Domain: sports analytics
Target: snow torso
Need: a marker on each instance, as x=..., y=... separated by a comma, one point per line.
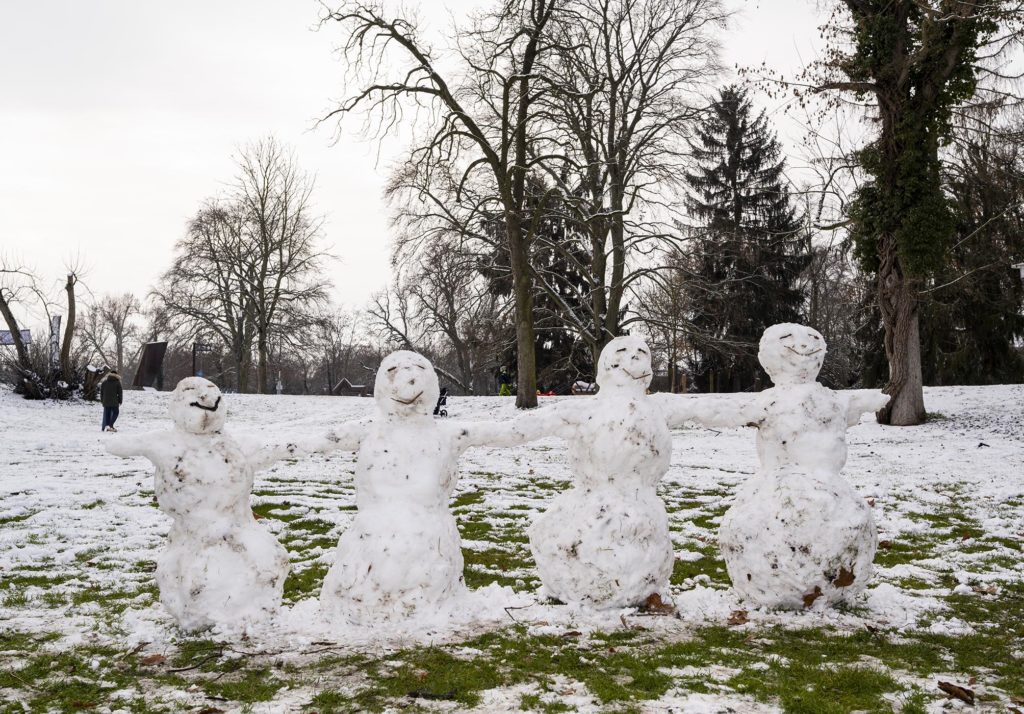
x=622, y=442
x=605, y=542
x=204, y=482
x=804, y=426
x=402, y=554
x=406, y=465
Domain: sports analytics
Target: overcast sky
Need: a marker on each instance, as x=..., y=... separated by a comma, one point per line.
x=118, y=117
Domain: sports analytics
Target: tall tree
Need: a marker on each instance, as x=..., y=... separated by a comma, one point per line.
x=916, y=61
x=630, y=75
x=483, y=114
x=972, y=319
x=750, y=247
x=107, y=327
x=202, y=291
x=278, y=263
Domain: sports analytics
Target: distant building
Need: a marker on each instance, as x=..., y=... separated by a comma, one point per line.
x=345, y=388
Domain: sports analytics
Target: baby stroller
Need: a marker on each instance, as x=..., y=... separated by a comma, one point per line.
x=442, y=402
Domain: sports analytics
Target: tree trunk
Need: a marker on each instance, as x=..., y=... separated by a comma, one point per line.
x=69, y=329
x=261, y=369
x=15, y=329
x=897, y=300
x=526, y=343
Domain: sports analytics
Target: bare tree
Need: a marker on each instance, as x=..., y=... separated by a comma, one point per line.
x=278, y=262
x=482, y=116
x=631, y=78
x=108, y=328
x=202, y=291
x=18, y=285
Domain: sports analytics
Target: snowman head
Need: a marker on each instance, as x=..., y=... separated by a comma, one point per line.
x=625, y=364
x=196, y=406
x=406, y=385
x=791, y=354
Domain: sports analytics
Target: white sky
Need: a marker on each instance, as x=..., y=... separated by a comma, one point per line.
x=118, y=117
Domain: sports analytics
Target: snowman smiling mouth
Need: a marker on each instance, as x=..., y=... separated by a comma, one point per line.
x=803, y=354
x=642, y=376
x=408, y=402
x=216, y=404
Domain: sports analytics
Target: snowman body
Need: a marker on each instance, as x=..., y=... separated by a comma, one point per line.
x=220, y=567
x=605, y=542
x=402, y=554
x=797, y=532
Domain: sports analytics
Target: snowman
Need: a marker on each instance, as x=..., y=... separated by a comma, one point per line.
x=220, y=567
x=402, y=555
x=605, y=542
x=797, y=532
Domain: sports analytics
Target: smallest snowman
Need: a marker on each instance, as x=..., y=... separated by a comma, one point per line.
x=220, y=567
x=797, y=532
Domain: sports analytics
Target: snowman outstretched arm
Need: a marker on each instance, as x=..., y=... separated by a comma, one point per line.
x=533, y=425
x=859, y=401
x=142, y=445
x=344, y=437
x=711, y=410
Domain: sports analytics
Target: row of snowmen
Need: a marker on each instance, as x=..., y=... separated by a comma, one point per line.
x=796, y=533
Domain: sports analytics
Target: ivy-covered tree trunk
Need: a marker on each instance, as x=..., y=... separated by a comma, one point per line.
x=897, y=300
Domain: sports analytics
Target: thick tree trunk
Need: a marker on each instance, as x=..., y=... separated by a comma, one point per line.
x=897, y=301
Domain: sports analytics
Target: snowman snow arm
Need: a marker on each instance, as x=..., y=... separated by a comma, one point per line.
x=344, y=437
x=860, y=401
x=531, y=426
x=145, y=445
x=710, y=410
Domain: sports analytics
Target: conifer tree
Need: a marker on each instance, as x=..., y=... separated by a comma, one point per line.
x=749, y=244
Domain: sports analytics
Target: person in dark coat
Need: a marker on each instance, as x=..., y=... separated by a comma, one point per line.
x=111, y=396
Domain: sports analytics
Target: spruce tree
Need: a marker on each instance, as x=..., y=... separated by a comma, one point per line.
x=749, y=244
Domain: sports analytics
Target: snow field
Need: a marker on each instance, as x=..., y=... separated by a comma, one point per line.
x=81, y=627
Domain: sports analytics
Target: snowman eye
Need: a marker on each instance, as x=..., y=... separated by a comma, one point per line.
x=785, y=336
x=621, y=349
x=392, y=369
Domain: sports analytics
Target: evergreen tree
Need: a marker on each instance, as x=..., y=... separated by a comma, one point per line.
x=561, y=357
x=971, y=318
x=749, y=246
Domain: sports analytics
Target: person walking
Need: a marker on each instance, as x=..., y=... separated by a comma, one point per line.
x=111, y=396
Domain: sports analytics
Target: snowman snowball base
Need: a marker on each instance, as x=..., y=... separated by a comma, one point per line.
x=220, y=567
x=605, y=542
x=797, y=532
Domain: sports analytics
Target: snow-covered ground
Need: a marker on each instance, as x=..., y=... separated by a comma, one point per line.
x=79, y=531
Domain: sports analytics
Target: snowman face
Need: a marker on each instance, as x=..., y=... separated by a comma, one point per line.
x=406, y=385
x=791, y=354
x=625, y=363
x=197, y=406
